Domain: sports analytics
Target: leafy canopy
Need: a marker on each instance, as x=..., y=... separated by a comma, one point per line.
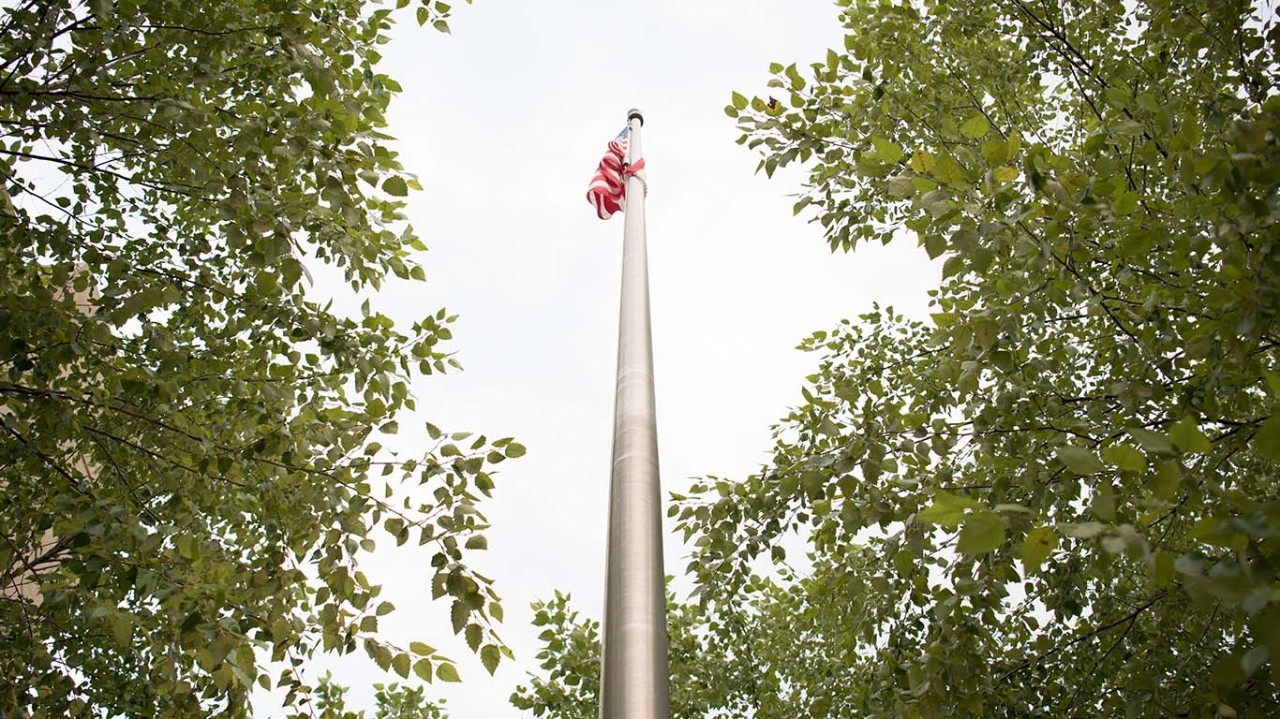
x=1058, y=495
x=188, y=447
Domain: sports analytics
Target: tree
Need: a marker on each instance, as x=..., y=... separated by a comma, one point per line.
x=189, y=452
x=705, y=678
x=1058, y=495
x=394, y=702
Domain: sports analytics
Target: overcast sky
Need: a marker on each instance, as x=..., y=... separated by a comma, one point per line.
x=504, y=121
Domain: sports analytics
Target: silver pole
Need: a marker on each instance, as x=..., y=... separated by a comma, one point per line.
x=633, y=671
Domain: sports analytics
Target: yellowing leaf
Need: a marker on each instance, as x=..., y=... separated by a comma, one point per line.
x=1037, y=547
x=922, y=161
x=1005, y=174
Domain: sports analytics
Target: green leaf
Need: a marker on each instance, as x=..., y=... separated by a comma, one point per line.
x=422, y=668
x=935, y=245
x=975, y=127
x=1126, y=203
x=1266, y=441
x=400, y=663
x=474, y=634
x=739, y=101
x=459, y=614
x=887, y=151
x=1037, y=547
x=1151, y=441
x=447, y=673
x=1186, y=436
x=395, y=186
x=1079, y=460
x=1168, y=478
x=947, y=509
x=1254, y=659
x=1104, y=502
x=1125, y=457
x=490, y=656
x=982, y=532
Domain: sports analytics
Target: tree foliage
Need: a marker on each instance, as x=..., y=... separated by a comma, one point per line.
x=1058, y=495
x=393, y=702
x=189, y=452
x=705, y=678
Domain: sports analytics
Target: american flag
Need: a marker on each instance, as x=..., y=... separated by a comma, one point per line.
x=608, y=189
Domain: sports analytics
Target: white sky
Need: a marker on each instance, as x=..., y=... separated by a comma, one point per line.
x=504, y=122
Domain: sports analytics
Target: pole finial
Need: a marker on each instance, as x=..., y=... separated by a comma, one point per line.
x=635, y=113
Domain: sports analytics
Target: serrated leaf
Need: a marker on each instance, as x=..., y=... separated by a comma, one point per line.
x=490, y=656
x=459, y=614
x=739, y=101
x=514, y=450
x=422, y=668
x=421, y=649
x=1079, y=460
x=474, y=634
x=400, y=663
x=395, y=186
x=448, y=673
x=982, y=532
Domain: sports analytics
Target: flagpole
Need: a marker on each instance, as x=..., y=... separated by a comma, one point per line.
x=633, y=672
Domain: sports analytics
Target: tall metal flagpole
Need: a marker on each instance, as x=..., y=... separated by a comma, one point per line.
x=633, y=672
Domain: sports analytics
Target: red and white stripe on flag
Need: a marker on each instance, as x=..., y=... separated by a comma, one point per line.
x=608, y=189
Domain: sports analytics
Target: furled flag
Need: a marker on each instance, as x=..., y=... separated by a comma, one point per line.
x=608, y=189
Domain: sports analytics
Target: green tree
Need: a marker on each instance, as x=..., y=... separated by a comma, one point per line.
x=393, y=702
x=1058, y=495
x=188, y=431
x=705, y=677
